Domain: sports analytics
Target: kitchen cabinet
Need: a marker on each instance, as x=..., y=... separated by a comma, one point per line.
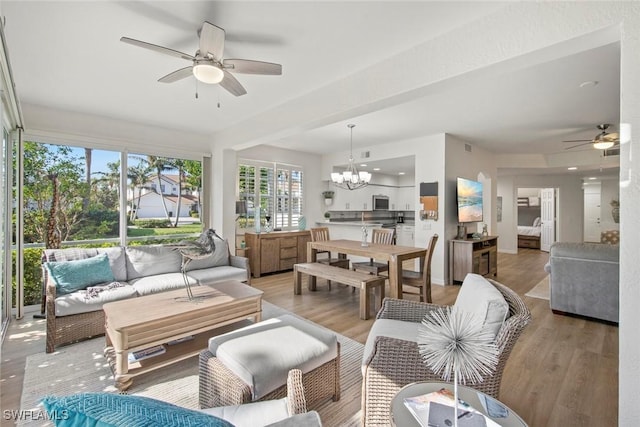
x=276, y=251
x=405, y=235
x=405, y=200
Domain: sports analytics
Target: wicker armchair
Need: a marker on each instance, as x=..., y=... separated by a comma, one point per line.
x=394, y=363
x=278, y=412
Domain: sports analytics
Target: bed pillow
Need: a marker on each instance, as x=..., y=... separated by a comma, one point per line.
x=537, y=222
x=71, y=276
x=105, y=410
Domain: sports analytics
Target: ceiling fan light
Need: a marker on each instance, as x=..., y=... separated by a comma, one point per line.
x=603, y=145
x=207, y=73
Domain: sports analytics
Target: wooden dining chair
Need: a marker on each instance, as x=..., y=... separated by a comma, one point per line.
x=383, y=236
x=420, y=280
x=321, y=234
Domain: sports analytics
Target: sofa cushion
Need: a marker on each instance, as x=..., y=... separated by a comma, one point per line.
x=219, y=257
x=262, y=354
x=108, y=409
x=84, y=302
x=159, y=283
x=481, y=298
x=117, y=261
x=252, y=414
x=70, y=276
x=145, y=261
x=208, y=276
x=398, y=329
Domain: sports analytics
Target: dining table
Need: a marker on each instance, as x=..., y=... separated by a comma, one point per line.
x=393, y=254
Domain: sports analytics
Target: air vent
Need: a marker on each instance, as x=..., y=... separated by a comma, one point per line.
x=467, y=148
x=365, y=155
x=611, y=152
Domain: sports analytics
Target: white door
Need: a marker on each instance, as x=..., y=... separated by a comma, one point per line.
x=548, y=218
x=592, y=213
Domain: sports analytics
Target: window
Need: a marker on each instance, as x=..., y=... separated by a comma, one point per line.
x=275, y=189
x=79, y=189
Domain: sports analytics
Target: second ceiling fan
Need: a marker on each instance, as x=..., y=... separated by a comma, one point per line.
x=601, y=141
x=208, y=64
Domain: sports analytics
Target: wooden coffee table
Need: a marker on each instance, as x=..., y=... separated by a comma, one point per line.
x=138, y=323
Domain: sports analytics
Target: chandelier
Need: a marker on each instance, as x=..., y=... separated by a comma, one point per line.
x=351, y=179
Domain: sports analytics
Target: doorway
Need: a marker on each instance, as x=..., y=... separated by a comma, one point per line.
x=536, y=217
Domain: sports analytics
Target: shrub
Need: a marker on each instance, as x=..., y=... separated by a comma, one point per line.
x=152, y=223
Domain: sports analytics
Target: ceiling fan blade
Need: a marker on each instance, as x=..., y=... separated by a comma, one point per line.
x=579, y=145
x=232, y=85
x=247, y=66
x=578, y=140
x=212, y=40
x=611, y=136
x=156, y=48
x=177, y=75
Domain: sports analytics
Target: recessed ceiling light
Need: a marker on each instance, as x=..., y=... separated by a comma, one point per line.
x=572, y=168
x=363, y=165
x=590, y=83
x=400, y=173
x=376, y=169
x=592, y=178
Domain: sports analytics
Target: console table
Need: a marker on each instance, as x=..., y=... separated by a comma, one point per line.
x=479, y=256
x=276, y=250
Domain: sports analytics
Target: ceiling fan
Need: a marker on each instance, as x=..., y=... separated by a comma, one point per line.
x=601, y=141
x=208, y=65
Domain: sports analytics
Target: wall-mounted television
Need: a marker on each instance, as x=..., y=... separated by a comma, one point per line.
x=469, y=199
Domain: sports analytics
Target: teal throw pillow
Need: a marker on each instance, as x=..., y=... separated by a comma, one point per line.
x=70, y=276
x=105, y=410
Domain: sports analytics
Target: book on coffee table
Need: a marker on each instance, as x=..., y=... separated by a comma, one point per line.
x=437, y=409
x=136, y=356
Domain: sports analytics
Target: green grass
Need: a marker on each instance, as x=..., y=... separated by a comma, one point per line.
x=182, y=229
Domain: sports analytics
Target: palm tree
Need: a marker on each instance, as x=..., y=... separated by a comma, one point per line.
x=87, y=160
x=178, y=164
x=111, y=178
x=138, y=176
x=193, y=179
x=160, y=164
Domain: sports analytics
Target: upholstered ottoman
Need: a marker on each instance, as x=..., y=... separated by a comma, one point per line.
x=252, y=363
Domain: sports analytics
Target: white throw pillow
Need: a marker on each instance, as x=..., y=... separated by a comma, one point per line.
x=480, y=297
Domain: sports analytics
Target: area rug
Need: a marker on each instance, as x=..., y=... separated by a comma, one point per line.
x=541, y=290
x=82, y=368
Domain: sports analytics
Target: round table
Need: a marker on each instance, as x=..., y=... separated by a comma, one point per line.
x=492, y=408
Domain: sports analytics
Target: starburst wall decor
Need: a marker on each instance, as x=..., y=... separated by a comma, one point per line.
x=452, y=341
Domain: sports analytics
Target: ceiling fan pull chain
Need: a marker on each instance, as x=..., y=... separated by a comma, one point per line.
x=196, y=88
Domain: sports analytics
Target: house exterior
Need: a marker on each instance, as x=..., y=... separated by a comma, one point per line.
x=147, y=202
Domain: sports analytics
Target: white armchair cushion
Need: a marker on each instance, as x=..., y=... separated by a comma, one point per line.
x=392, y=328
x=481, y=298
x=252, y=414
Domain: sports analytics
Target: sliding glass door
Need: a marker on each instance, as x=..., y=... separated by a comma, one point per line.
x=5, y=248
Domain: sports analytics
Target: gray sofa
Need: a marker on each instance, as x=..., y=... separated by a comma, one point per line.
x=584, y=279
x=137, y=271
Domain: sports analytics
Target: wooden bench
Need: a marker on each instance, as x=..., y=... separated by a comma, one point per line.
x=367, y=283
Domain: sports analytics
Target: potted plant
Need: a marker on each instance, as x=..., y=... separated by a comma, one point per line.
x=327, y=216
x=615, y=210
x=328, y=197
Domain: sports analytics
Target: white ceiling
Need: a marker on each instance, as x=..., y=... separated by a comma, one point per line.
x=67, y=55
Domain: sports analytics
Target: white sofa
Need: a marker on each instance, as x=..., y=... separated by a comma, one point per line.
x=137, y=271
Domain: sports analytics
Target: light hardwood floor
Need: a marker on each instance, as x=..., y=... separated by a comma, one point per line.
x=562, y=372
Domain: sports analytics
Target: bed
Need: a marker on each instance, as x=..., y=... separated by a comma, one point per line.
x=529, y=235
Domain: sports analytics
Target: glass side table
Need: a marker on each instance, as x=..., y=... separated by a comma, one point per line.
x=492, y=408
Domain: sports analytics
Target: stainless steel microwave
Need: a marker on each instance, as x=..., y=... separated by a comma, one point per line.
x=380, y=203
